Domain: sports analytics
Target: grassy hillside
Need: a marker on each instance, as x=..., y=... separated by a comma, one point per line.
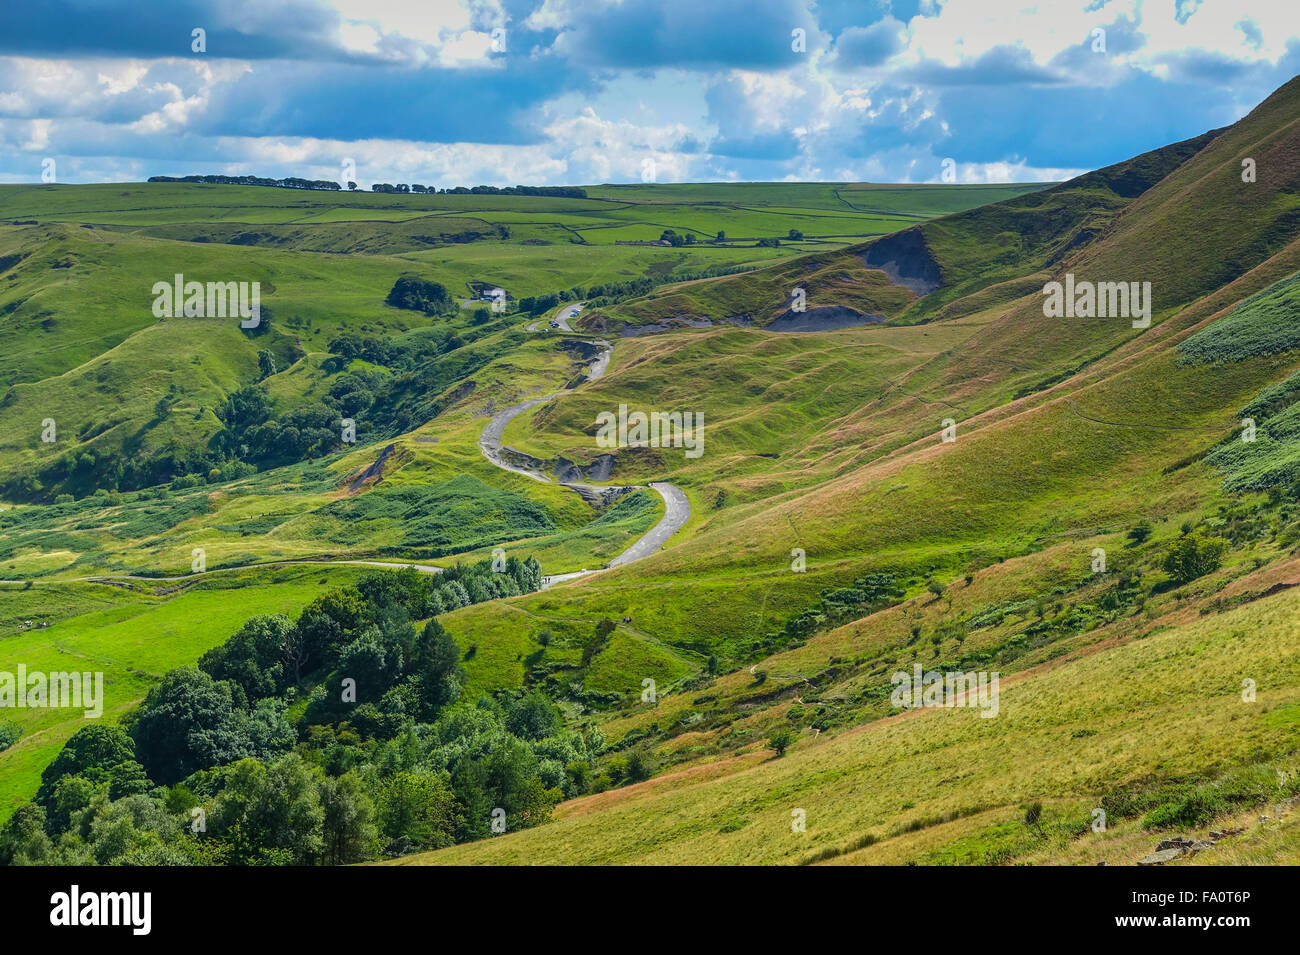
x=1067, y=438
x=82, y=347
x=1094, y=731
x=967, y=252
x=954, y=480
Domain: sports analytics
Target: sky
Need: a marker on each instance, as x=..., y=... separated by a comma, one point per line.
x=574, y=92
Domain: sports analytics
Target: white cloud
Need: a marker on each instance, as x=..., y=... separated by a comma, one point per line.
x=38, y=132
x=963, y=31
x=444, y=32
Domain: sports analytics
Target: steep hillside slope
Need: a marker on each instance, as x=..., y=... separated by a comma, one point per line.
x=1130, y=729
x=1069, y=433
x=923, y=468
x=948, y=258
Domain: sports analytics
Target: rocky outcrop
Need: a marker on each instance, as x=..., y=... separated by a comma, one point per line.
x=823, y=318
x=601, y=467
x=562, y=469
x=374, y=473
x=1176, y=848
x=600, y=498
x=906, y=260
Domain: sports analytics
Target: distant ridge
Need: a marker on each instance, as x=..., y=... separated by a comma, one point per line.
x=328, y=185
x=292, y=182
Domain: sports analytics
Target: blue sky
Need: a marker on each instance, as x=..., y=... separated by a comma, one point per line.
x=461, y=92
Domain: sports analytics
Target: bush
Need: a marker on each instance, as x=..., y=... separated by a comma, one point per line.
x=637, y=767
x=9, y=734
x=1195, y=809
x=1193, y=556
x=781, y=740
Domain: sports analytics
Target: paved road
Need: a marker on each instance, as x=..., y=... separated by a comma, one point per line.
x=561, y=319
x=566, y=314
x=601, y=364
x=677, y=509
x=489, y=442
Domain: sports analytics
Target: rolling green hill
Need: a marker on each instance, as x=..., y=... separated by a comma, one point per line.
x=921, y=468
x=1069, y=435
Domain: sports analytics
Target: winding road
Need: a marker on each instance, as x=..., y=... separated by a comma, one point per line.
x=562, y=318
x=567, y=313
x=677, y=509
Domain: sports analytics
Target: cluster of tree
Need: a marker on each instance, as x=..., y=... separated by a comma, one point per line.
x=425, y=595
x=561, y=192
x=254, y=433
x=674, y=239
x=107, y=470
x=334, y=799
x=364, y=635
x=555, y=192
x=410, y=399
x=536, y=304
x=292, y=182
x=389, y=352
x=385, y=758
x=422, y=295
x=428, y=361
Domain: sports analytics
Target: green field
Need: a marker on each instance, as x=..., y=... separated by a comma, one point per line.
x=132, y=636
x=952, y=480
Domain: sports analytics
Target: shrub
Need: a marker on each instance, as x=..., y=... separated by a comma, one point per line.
x=9, y=734
x=637, y=767
x=1193, y=556
x=780, y=740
